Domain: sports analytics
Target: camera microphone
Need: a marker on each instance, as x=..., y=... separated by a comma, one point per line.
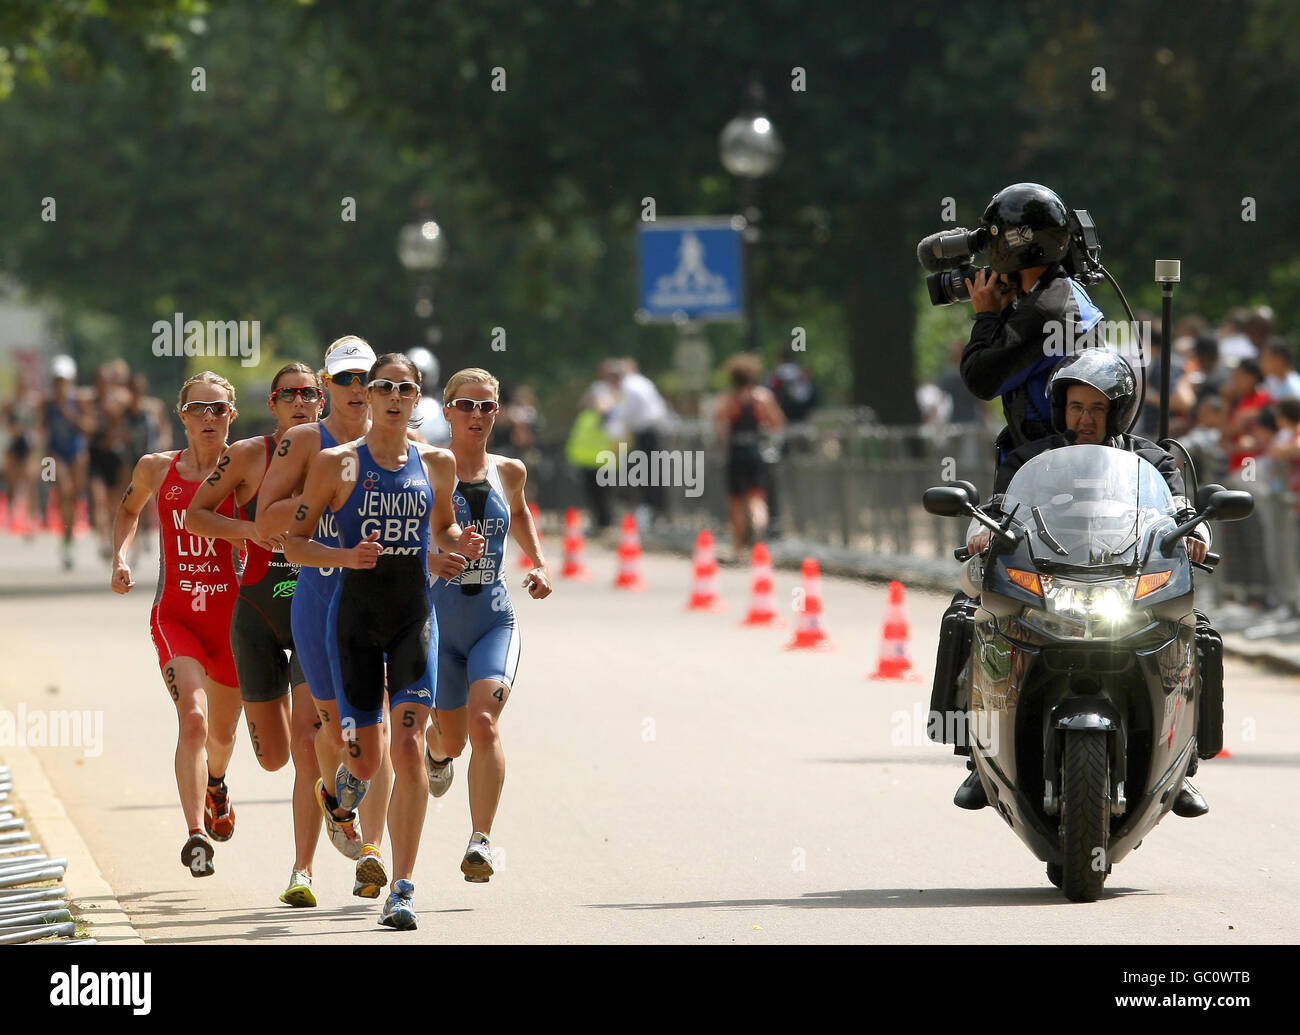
x=948, y=248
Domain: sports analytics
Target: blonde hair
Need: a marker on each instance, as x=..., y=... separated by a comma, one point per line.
x=347, y=339
x=470, y=375
x=206, y=377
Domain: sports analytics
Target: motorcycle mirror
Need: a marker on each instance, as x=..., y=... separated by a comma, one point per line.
x=1232, y=504
x=972, y=493
x=947, y=500
x=1204, y=493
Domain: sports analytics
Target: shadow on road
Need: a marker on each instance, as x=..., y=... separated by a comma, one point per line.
x=886, y=898
x=944, y=760
x=173, y=913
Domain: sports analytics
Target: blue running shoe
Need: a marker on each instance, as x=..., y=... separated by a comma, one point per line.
x=398, y=912
x=348, y=789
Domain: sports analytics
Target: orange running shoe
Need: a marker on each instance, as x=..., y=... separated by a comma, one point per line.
x=218, y=813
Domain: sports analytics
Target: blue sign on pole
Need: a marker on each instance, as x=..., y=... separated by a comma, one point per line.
x=691, y=269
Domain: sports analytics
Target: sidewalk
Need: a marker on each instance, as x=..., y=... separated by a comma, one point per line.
x=29, y=568
x=33, y=566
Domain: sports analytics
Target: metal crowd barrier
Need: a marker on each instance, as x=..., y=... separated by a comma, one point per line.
x=27, y=913
x=843, y=483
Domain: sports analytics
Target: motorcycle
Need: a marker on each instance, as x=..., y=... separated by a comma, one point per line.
x=1084, y=703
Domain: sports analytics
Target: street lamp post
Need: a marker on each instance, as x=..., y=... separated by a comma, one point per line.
x=750, y=149
x=421, y=249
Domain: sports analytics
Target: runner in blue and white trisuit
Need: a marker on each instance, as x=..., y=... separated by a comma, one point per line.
x=390, y=496
x=478, y=653
x=357, y=835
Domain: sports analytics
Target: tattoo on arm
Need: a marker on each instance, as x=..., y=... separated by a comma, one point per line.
x=222, y=464
x=284, y=448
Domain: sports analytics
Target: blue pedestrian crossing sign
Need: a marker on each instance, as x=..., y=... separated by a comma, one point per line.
x=691, y=269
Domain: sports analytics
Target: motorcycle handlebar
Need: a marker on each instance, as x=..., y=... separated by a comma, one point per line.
x=1211, y=560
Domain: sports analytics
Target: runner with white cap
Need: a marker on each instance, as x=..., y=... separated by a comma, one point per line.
x=347, y=363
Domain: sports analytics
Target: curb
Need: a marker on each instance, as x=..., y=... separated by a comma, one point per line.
x=1287, y=662
x=89, y=894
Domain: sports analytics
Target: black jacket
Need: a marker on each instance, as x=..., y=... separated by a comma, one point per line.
x=1009, y=353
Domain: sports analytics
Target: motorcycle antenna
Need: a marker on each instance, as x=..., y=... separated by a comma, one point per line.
x=1168, y=273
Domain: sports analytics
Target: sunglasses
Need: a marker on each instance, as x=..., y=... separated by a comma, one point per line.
x=285, y=395
x=344, y=378
x=205, y=409
x=488, y=406
x=406, y=389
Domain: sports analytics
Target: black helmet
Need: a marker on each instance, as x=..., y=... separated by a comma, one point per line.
x=1028, y=225
x=1105, y=371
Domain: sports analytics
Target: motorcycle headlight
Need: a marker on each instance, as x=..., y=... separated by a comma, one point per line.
x=1087, y=610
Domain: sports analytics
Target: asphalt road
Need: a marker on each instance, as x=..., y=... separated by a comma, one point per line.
x=673, y=777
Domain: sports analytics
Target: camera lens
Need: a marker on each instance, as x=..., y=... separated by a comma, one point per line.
x=949, y=286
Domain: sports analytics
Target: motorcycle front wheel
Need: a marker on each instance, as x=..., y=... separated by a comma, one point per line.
x=1085, y=815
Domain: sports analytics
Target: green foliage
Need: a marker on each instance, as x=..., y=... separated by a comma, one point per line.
x=225, y=203
x=937, y=327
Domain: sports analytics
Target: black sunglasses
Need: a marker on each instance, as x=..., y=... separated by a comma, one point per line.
x=285, y=395
x=345, y=377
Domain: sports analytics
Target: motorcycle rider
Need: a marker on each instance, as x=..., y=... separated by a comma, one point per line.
x=1093, y=398
x=1019, y=313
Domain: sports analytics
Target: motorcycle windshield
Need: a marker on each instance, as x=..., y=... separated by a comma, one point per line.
x=1083, y=506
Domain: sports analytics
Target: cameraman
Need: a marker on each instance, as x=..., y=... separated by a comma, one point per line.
x=1027, y=316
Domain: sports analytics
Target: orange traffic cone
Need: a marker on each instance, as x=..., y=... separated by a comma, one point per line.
x=81, y=522
x=810, y=632
x=704, y=576
x=575, y=545
x=629, y=558
x=22, y=518
x=1223, y=753
x=762, y=597
x=5, y=520
x=895, y=634
x=53, y=518
x=526, y=562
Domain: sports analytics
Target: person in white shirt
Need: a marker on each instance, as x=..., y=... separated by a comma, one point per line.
x=1234, y=345
x=639, y=414
x=1278, y=363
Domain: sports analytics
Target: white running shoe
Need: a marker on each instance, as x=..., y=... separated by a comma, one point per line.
x=299, y=892
x=345, y=834
x=477, y=864
x=439, y=776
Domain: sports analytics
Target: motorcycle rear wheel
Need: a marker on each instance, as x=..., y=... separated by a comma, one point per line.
x=1085, y=816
